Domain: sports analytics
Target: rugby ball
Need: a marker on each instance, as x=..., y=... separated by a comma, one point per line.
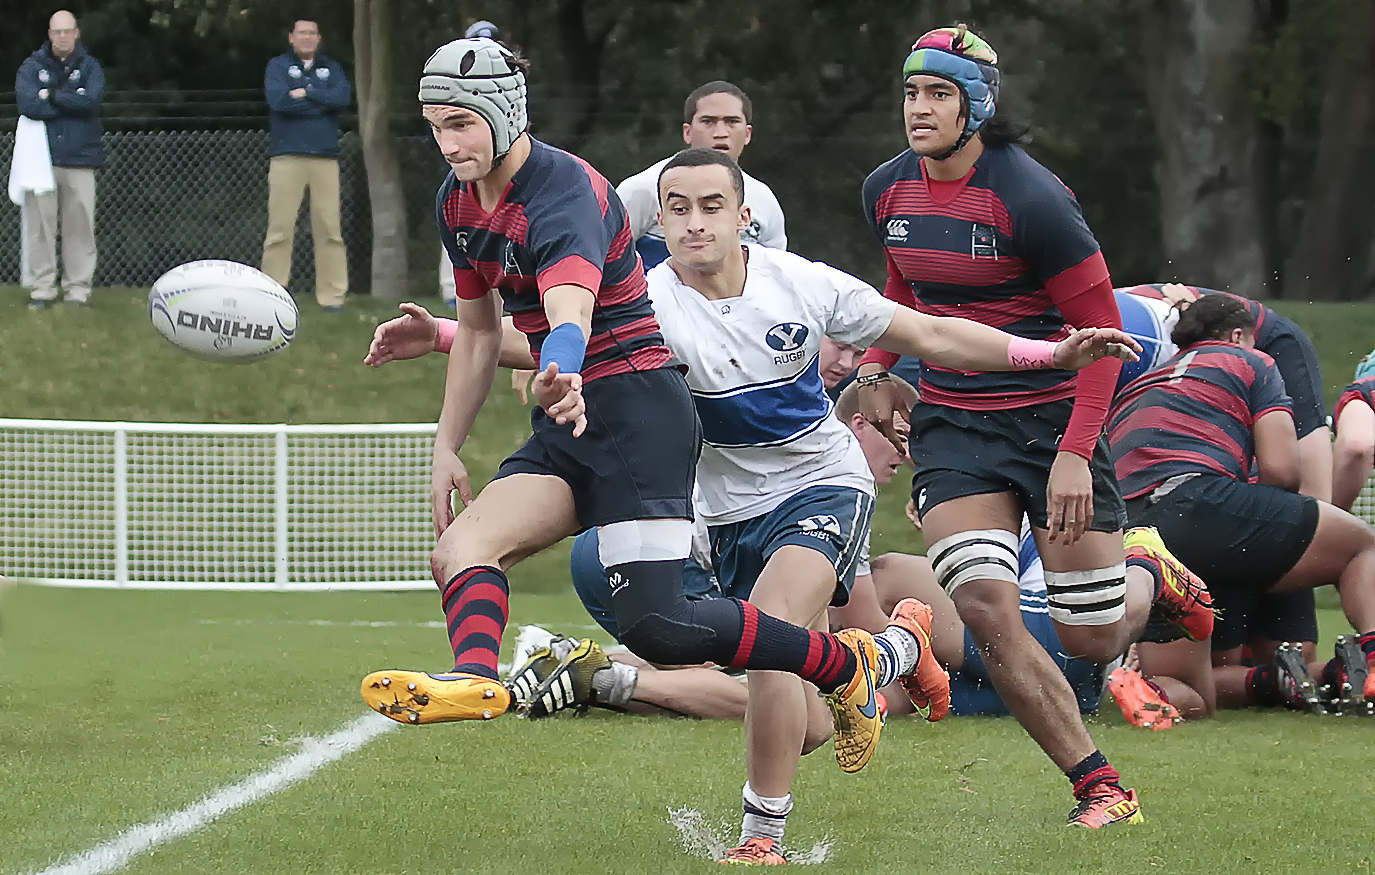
x=223, y=311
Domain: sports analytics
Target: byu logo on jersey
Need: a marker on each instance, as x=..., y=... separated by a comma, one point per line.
x=984, y=241
x=897, y=229
x=822, y=526
x=788, y=339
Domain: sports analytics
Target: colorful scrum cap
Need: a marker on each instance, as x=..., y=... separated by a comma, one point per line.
x=964, y=59
x=1366, y=368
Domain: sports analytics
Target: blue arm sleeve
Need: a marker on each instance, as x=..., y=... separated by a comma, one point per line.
x=26, y=88
x=84, y=96
x=566, y=346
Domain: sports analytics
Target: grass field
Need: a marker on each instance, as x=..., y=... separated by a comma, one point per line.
x=123, y=707
x=120, y=708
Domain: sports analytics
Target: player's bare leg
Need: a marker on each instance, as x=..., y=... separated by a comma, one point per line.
x=1106, y=642
x=690, y=692
x=513, y=518
x=785, y=718
x=1023, y=673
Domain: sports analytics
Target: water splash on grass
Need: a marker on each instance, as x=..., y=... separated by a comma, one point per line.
x=710, y=841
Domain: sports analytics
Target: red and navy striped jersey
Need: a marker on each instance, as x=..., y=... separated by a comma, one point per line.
x=558, y=222
x=1193, y=415
x=1361, y=390
x=1268, y=322
x=985, y=249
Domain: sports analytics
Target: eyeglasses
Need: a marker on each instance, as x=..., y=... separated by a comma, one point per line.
x=67, y=32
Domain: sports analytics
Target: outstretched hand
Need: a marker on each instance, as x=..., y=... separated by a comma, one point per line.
x=561, y=397
x=1085, y=346
x=407, y=336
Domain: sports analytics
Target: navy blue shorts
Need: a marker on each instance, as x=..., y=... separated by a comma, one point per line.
x=958, y=453
x=833, y=520
x=1285, y=616
x=589, y=579
x=638, y=457
x=1241, y=538
x=971, y=690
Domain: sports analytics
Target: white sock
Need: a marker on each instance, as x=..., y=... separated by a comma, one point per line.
x=898, y=652
x=765, y=816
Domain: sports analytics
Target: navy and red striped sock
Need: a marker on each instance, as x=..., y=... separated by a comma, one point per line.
x=1092, y=770
x=476, y=605
x=769, y=644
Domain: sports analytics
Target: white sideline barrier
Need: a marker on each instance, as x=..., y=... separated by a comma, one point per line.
x=142, y=505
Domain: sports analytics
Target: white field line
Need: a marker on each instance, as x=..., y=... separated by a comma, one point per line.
x=315, y=753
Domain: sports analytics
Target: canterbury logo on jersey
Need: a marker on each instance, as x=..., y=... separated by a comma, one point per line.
x=897, y=229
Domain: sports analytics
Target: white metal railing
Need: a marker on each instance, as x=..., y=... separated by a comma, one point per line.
x=203, y=506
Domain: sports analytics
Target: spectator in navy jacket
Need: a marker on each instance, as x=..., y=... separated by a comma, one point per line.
x=62, y=86
x=305, y=92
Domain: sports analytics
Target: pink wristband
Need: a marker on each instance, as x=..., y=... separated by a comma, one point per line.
x=1030, y=355
x=448, y=330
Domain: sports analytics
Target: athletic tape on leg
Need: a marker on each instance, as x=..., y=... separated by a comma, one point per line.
x=1088, y=598
x=644, y=541
x=981, y=554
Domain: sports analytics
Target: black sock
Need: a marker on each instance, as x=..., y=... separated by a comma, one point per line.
x=1092, y=770
x=1263, y=686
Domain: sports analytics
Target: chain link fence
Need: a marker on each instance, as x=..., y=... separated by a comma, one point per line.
x=168, y=197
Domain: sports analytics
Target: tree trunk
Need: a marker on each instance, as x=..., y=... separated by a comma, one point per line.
x=1331, y=258
x=372, y=46
x=1207, y=172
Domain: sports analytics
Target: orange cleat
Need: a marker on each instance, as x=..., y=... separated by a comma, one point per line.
x=1106, y=804
x=1141, y=703
x=928, y=686
x=756, y=852
x=1184, y=601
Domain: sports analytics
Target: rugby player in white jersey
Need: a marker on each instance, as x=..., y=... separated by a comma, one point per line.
x=716, y=116
x=782, y=485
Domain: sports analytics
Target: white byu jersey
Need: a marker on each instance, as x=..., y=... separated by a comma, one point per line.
x=767, y=424
x=640, y=194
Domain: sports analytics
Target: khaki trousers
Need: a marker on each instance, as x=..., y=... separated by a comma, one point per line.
x=74, y=203
x=288, y=177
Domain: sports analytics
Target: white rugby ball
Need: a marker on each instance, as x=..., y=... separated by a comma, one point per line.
x=223, y=311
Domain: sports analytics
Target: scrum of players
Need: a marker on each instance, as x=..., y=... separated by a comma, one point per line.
x=1143, y=473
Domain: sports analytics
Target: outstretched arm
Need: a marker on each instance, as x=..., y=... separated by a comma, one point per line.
x=418, y=333
x=961, y=344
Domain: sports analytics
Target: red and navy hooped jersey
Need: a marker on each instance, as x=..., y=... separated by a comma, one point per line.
x=558, y=222
x=1193, y=415
x=1268, y=323
x=985, y=249
x=1361, y=390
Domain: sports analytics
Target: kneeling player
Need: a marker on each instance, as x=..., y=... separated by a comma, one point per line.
x=1186, y=440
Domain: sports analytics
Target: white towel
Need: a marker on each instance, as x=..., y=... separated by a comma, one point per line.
x=32, y=169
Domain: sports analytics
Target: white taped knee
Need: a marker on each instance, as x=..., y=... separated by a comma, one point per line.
x=982, y=554
x=1088, y=598
x=643, y=541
